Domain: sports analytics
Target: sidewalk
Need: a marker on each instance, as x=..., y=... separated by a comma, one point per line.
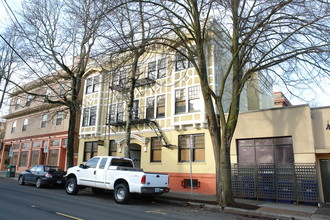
x=246, y=207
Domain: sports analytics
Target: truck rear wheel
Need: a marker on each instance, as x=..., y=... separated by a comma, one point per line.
x=71, y=186
x=122, y=194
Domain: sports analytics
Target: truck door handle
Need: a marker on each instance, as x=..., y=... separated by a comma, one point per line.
x=94, y=172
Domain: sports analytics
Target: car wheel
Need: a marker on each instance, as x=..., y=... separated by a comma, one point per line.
x=122, y=194
x=38, y=183
x=21, y=180
x=97, y=191
x=71, y=186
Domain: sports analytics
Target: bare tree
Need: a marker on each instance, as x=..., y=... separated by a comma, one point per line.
x=286, y=38
x=133, y=28
x=59, y=37
x=8, y=59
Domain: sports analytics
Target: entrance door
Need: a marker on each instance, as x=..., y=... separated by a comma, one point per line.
x=135, y=152
x=325, y=174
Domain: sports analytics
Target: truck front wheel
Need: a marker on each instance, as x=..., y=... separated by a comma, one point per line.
x=71, y=186
x=122, y=194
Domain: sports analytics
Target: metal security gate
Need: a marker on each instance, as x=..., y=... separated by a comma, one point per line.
x=276, y=182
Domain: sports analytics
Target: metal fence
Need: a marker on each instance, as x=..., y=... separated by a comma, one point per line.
x=276, y=182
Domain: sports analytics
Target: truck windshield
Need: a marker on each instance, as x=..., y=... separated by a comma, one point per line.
x=121, y=162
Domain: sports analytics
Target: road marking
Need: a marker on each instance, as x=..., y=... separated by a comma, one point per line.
x=58, y=213
x=68, y=216
x=157, y=211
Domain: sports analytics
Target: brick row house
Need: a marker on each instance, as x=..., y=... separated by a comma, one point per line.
x=36, y=131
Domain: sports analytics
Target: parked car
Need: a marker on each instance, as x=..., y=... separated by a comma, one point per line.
x=117, y=174
x=42, y=175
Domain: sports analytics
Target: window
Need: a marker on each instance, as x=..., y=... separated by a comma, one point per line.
x=180, y=101
x=55, y=143
x=112, y=148
x=89, y=116
x=53, y=157
x=90, y=150
x=120, y=112
x=193, y=99
x=26, y=145
x=36, y=144
x=13, y=127
x=65, y=142
x=64, y=88
x=14, y=158
x=28, y=100
x=152, y=70
x=160, y=106
x=135, y=110
x=156, y=150
x=277, y=150
x=123, y=77
x=92, y=163
x=34, y=157
x=191, y=146
x=44, y=121
x=115, y=79
x=112, y=113
x=17, y=103
x=102, y=163
x=96, y=83
x=59, y=117
x=92, y=84
x=25, y=124
x=161, y=72
x=180, y=62
x=150, y=109
x=194, y=104
x=23, y=160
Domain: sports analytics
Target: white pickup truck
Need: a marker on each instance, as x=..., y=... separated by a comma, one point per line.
x=114, y=173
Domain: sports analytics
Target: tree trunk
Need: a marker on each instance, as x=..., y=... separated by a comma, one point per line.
x=71, y=138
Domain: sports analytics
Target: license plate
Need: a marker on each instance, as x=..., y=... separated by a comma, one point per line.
x=156, y=190
x=59, y=181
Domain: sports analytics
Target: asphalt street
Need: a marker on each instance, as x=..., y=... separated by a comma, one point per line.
x=29, y=202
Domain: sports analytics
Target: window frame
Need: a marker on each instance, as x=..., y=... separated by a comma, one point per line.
x=180, y=99
x=253, y=144
x=25, y=124
x=17, y=103
x=13, y=127
x=28, y=100
x=92, y=84
x=152, y=70
x=89, y=116
x=155, y=146
x=59, y=117
x=112, y=148
x=94, y=145
x=150, y=107
x=44, y=119
x=161, y=68
x=185, y=147
x=160, y=105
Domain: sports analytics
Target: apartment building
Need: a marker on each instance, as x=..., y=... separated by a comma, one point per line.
x=168, y=116
x=36, y=131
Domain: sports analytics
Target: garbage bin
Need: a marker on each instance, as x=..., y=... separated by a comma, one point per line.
x=11, y=171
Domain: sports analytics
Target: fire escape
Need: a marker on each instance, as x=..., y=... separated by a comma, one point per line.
x=119, y=87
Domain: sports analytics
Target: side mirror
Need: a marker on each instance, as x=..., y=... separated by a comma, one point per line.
x=82, y=166
x=27, y=170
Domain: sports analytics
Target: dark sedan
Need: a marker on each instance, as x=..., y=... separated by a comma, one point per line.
x=42, y=175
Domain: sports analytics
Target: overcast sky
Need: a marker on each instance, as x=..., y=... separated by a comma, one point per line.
x=317, y=97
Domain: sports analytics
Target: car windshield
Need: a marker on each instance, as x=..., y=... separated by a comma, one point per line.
x=52, y=168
